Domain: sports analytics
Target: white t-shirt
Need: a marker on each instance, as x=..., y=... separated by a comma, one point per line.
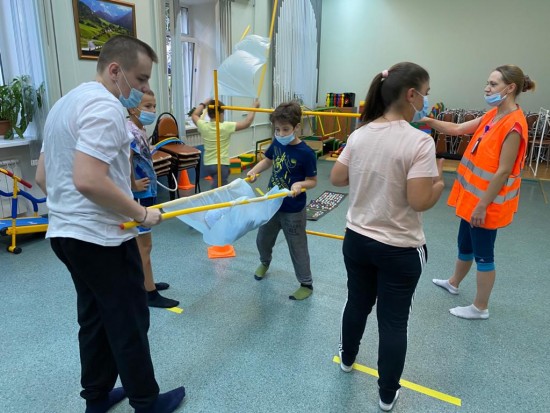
x=381, y=157
x=91, y=120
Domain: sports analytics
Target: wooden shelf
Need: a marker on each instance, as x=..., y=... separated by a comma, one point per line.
x=330, y=124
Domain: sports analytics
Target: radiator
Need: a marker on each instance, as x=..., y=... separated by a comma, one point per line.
x=193, y=138
x=6, y=185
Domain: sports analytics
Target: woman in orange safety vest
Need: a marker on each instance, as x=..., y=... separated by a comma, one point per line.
x=486, y=190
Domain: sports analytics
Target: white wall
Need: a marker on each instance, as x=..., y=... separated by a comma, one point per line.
x=71, y=71
x=458, y=42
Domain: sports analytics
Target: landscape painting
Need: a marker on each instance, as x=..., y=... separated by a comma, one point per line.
x=96, y=21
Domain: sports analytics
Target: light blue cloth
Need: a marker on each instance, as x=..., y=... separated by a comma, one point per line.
x=225, y=225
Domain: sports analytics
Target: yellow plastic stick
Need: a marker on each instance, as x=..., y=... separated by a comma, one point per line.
x=185, y=211
x=245, y=33
x=218, y=144
x=323, y=234
x=305, y=112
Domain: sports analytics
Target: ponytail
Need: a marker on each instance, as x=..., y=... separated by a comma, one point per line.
x=387, y=87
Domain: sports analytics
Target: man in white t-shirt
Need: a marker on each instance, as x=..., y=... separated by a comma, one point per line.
x=84, y=169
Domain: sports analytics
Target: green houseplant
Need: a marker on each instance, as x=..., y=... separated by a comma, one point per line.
x=19, y=101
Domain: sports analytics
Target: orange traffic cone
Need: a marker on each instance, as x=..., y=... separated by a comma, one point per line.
x=183, y=182
x=208, y=178
x=224, y=251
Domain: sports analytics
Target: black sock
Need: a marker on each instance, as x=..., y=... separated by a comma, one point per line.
x=151, y=295
x=310, y=286
x=162, y=286
x=154, y=299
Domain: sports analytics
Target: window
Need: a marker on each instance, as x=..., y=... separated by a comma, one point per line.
x=1, y=71
x=182, y=75
x=188, y=62
x=184, y=16
x=21, y=53
x=188, y=47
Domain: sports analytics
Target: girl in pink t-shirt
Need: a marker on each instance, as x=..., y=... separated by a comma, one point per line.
x=393, y=176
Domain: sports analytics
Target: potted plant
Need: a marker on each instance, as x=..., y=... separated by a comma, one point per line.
x=19, y=101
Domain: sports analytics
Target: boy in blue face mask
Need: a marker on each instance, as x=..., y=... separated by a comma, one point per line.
x=144, y=189
x=294, y=167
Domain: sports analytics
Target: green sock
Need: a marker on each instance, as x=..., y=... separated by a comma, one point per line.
x=260, y=271
x=302, y=293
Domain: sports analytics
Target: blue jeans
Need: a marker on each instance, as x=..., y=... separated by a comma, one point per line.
x=212, y=170
x=146, y=202
x=478, y=243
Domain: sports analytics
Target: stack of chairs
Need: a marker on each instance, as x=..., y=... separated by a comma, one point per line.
x=162, y=162
x=540, y=141
x=182, y=157
x=453, y=147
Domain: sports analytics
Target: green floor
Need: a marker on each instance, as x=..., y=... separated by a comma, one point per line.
x=242, y=346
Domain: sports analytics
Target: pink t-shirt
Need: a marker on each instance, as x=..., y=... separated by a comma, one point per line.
x=381, y=157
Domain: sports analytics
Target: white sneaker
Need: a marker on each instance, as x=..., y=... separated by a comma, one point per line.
x=345, y=368
x=387, y=407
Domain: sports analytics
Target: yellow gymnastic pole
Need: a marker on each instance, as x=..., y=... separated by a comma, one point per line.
x=218, y=143
x=322, y=234
x=304, y=112
x=184, y=199
x=168, y=215
x=245, y=33
x=264, y=67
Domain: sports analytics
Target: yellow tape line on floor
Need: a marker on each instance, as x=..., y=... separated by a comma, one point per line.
x=176, y=310
x=409, y=385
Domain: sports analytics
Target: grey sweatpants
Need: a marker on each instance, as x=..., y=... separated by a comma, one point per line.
x=293, y=225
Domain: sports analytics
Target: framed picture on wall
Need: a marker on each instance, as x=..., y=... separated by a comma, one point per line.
x=96, y=21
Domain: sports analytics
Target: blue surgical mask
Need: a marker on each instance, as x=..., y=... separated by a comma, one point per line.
x=419, y=114
x=285, y=140
x=495, y=100
x=147, y=118
x=134, y=99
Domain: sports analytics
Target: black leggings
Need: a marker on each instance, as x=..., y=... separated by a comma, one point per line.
x=386, y=275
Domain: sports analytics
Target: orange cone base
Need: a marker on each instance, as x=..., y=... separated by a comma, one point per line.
x=186, y=187
x=183, y=182
x=225, y=251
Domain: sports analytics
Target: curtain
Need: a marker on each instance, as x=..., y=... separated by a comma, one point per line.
x=296, y=51
x=22, y=53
